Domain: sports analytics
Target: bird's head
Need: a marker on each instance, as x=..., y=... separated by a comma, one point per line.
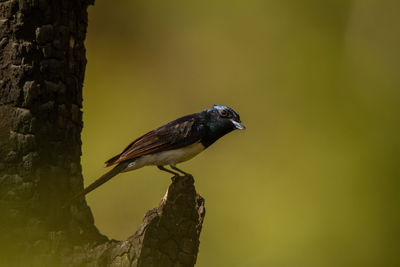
x=223, y=119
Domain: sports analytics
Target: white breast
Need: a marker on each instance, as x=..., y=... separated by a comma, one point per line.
x=170, y=157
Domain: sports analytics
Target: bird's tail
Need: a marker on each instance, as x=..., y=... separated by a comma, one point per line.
x=104, y=178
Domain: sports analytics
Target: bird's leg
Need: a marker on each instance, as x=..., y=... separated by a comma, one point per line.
x=166, y=170
x=179, y=170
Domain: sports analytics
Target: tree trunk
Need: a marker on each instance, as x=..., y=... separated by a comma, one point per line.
x=42, y=65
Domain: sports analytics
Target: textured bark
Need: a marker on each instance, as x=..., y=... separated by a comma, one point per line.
x=168, y=236
x=42, y=64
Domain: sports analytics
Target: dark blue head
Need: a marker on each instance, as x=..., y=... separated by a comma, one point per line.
x=220, y=121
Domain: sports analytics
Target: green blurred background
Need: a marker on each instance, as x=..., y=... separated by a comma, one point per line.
x=314, y=181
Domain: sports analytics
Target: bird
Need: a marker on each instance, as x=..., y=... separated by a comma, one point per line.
x=172, y=143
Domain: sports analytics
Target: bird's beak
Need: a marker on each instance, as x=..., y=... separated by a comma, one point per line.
x=238, y=125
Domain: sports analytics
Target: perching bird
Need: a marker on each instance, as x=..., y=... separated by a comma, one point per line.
x=172, y=143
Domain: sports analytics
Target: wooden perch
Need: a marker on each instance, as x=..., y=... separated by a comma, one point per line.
x=168, y=235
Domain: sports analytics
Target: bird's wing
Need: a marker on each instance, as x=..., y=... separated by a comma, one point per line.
x=176, y=134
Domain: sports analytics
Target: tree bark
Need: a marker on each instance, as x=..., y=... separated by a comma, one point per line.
x=42, y=65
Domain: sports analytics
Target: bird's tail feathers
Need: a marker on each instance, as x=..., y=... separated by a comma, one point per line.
x=104, y=178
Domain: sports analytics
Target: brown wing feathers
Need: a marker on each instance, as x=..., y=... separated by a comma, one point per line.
x=173, y=135
x=111, y=161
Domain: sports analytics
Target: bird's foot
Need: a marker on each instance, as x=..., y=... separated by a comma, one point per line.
x=179, y=170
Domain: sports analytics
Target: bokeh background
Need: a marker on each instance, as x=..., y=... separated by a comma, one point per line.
x=314, y=181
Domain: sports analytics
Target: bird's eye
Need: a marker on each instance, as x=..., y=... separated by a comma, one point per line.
x=225, y=113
